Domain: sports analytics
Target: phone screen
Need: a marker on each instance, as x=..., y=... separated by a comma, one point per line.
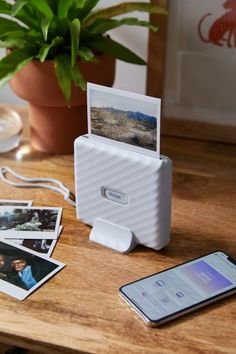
x=161, y=296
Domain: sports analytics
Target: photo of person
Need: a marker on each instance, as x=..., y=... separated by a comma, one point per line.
x=41, y=246
x=2, y=264
x=38, y=245
x=23, y=271
x=6, y=271
x=30, y=219
x=29, y=271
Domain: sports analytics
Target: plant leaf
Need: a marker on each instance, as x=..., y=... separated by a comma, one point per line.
x=63, y=74
x=85, y=7
x=109, y=46
x=103, y=25
x=15, y=39
x=17, y=6
x=34, y=36
x=121, y=9
x=64, y=7
x=22, y=8
x=81, y=3
x=45, y=23
x=74, y=33
x=29, y=18
x=43, y=53
x=43, y=7
x=11, y=43
x=13, y=62
x=5, y=8
x=86, y=53
x=7, y=25
x=78, y=77
x=60, y=27
x=53, y=5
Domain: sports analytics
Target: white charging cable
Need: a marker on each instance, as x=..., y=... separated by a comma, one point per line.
x=56, y=186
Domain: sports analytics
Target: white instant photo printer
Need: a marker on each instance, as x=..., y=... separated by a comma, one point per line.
x=125, y=195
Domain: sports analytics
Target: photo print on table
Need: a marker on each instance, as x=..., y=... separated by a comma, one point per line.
x=40, y=246
x=23, y=271
x=123, y=118
x=29, y=222
x=11, y=202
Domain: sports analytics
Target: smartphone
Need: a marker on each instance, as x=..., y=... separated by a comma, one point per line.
x=163, y=296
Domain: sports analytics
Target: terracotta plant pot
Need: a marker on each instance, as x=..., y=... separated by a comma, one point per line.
x=54, y=126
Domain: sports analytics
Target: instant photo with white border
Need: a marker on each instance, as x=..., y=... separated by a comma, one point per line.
x=152, y=103
x=15, y=290
x=48, y=249
x=31, y=229
x=11, y=202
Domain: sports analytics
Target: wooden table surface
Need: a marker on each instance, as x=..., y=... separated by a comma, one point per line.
x=79, y=310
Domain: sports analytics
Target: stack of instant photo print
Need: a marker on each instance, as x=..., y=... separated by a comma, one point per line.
x=28, y=236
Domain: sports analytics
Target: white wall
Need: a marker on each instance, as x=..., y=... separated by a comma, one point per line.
x=128, y=76
x=200, y=76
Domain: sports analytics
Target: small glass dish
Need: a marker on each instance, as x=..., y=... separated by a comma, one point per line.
x=10, y=129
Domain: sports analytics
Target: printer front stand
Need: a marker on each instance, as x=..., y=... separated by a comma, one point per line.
x=112, y=235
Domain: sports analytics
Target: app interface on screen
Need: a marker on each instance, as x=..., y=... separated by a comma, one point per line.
x=163, y=294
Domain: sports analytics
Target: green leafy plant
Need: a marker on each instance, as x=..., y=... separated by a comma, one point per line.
x=64, y=31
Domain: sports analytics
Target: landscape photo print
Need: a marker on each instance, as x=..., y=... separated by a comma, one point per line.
x=124, y=117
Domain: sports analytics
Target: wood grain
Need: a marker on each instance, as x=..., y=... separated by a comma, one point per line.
x=79, y=310
x=193, y=129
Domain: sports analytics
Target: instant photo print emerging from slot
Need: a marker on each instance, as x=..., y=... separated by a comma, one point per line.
x=131, y=119
x=123, y=185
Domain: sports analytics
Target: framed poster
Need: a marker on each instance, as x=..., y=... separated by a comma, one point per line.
x=195, y=71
